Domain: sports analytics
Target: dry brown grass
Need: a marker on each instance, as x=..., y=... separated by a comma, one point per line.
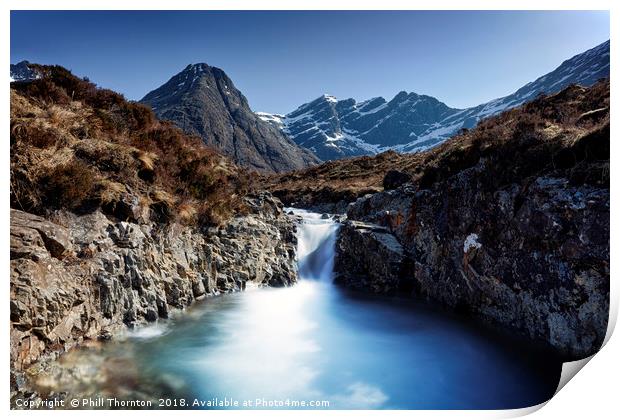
x=187, y=213
x=69, y=185
x=78, y=147
x=147, y=159
x=110, y=192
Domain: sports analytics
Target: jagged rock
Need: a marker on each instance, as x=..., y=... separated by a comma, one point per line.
x=370, y=258
x=532, y=258
x=54, y=238
x=132, y=274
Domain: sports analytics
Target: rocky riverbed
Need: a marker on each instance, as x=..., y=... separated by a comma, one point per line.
x=76, y=280
x=346, y=350
x=533, y=259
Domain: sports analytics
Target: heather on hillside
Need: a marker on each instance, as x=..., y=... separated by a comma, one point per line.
x=78, y=147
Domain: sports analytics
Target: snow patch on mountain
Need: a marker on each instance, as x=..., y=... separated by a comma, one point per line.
x=274, y=119
x=410, y=122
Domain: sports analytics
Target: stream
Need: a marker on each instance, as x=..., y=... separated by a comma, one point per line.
x=315, y=345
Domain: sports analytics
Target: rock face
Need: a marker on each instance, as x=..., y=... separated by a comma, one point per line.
x=86, y=277
x=370, y=258
x=533, y=258
x=409, y=122
x=203, y=100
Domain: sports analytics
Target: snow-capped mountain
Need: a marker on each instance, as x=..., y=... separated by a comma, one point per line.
x=203, y=100
x=21, y=72
x=410, y=122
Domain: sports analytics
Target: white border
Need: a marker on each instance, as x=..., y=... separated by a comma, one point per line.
x=593, y=393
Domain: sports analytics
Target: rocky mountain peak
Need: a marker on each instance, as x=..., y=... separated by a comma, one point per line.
x=203, y=100
x=329, y=98
x=411, y=122
x=400, y=97
x=198, y=67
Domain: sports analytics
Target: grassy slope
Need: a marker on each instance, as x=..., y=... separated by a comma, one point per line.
x=77, y=147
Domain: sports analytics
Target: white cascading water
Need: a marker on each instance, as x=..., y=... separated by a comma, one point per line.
x=316, y=244
x=267, y=346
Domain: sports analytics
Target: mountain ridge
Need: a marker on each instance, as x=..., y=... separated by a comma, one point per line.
x=411, y=122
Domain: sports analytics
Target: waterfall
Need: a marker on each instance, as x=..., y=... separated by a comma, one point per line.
x=310, y=342
x=316, y=246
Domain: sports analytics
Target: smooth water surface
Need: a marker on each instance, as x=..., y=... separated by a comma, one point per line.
x=315, y=341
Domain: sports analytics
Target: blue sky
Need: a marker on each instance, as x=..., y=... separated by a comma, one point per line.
x=280, y=60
